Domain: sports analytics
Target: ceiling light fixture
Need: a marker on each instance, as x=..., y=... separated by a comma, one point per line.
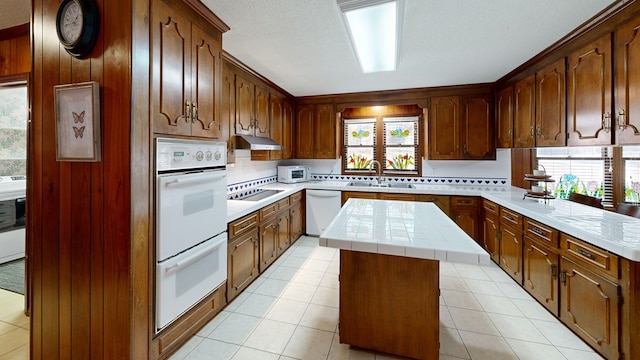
x=374, y=29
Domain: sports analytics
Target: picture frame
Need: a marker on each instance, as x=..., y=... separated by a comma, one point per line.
x=77, y=114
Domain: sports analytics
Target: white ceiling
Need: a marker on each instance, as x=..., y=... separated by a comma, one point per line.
x=303, y=47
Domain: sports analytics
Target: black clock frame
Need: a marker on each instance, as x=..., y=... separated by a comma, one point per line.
x=90, y=28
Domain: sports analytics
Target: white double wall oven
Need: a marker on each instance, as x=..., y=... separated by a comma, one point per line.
x=191, y=224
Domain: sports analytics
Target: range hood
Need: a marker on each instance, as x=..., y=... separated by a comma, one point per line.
x=255, y=143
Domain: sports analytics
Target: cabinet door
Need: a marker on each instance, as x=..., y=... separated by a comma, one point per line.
x=284, y=234
x=541, y=274
x=478, y=141
x=589, y=100
x=550, y=105
x=205, y=84
x=325, y=132
x=170, y=70
x=245, y=106
x=511, y=252
x=242, y=262
x=444, y=128
x=627, y=78
x=491, y=238
x=228, y=111
x=287, y=129
x=297, y=221
x=468, y=220
x=505, y=117
x=276, y=110
x=268, y=243
x=590, y=306
x=524, y=112
x=262, y=112
x=304, y=132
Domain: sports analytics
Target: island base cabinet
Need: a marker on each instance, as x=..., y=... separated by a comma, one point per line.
x=390, y=304
x=541, y=274
x=590, y=307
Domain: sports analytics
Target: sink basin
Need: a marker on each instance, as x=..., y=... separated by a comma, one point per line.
x=386, y=185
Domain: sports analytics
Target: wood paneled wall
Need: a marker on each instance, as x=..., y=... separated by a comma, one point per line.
x=88, y=223
x=15, y=54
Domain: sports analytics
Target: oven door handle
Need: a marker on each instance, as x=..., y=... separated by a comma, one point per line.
x=193, y=258
x=195, y=179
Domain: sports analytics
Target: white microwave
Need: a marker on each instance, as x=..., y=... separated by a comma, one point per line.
x=293, y=174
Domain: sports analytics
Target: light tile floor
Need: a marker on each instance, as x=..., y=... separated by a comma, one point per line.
x=14, y=327
x=291, y=312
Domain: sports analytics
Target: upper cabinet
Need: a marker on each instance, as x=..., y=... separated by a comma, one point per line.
x=627, y=86
x=15, y=50
x=550, y=100
x=252, y=108
x=461, y=128
x=524, y=112
x=316, y=134
x=504, y=116
x=185, y=75
x=589, y=98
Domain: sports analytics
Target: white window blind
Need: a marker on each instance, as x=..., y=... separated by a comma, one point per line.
x=585, y=170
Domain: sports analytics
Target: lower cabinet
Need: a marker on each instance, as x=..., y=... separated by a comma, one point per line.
x=242, y=262
x=268, y=242
x=511, y=252
x=346, y=195
x=284, y=236
x=491, y=237
x=441, y=201
x=297, y=219
x=590, y=307
x=465, y=211
x=397, y=196
x=541, y=274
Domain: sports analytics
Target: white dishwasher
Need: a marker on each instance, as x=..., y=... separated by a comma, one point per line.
x=322, y=206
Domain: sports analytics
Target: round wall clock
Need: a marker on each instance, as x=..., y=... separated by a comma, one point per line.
x=78, y=25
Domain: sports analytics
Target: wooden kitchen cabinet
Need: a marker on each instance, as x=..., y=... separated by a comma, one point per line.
x=540, y=276
x=627, y=81
x=284, y=234
x=228, y=110
x=185, y=86
x=268, y=242
x=346, y=195
x=287, y=129
x=252, y=108
x=281, y=129
x=297, y=216
x=242, y=262
x=589, y=118
x=316, y=131
x=504, y=116
x=441, y=201
x=491, y=230
x=397, y=196
x=550, y=114
x=465, y=211
x=511, y=243
x=461, y=128
x=524, y=112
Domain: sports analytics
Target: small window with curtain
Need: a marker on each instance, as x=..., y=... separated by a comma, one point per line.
x=585, y=170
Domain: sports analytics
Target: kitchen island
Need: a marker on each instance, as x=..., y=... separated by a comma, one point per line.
x=389, y=273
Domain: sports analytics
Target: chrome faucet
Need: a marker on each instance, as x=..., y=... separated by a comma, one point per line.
x=378, y=170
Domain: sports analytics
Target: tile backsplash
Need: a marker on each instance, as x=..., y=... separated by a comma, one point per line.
x=13, y=131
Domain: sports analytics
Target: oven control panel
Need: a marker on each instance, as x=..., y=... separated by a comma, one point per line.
x=179, y=154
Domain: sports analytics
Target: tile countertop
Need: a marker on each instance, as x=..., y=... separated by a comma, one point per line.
x=619, y=234
x=402, y=228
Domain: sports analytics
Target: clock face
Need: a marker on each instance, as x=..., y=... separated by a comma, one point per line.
x=72, y=20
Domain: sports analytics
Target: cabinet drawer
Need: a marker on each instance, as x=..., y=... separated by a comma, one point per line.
x=269, y=210
x=490, y=208
x=283, y=204
x=511, y=218
x=542, y=233
x=594, y=258
x=464, y=201
x=243, y=225
x=295, y=197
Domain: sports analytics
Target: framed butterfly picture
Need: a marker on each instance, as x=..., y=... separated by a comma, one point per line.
x=77, y=110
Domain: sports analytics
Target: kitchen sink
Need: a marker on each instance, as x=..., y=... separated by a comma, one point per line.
x=386, y=185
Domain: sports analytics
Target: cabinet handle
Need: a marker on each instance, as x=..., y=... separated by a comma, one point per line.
x=246, y=225
x=606, y=121
x=537, y=231
x=464, y=149
x=531, y=131
x=510, y=134
x=187, y=110
x=585, y=253
x=538, y=131
x=622, y=120
x=194, y=118
x=554, y=271
x=509, y=217
x=563, y=277
x=490, y=207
